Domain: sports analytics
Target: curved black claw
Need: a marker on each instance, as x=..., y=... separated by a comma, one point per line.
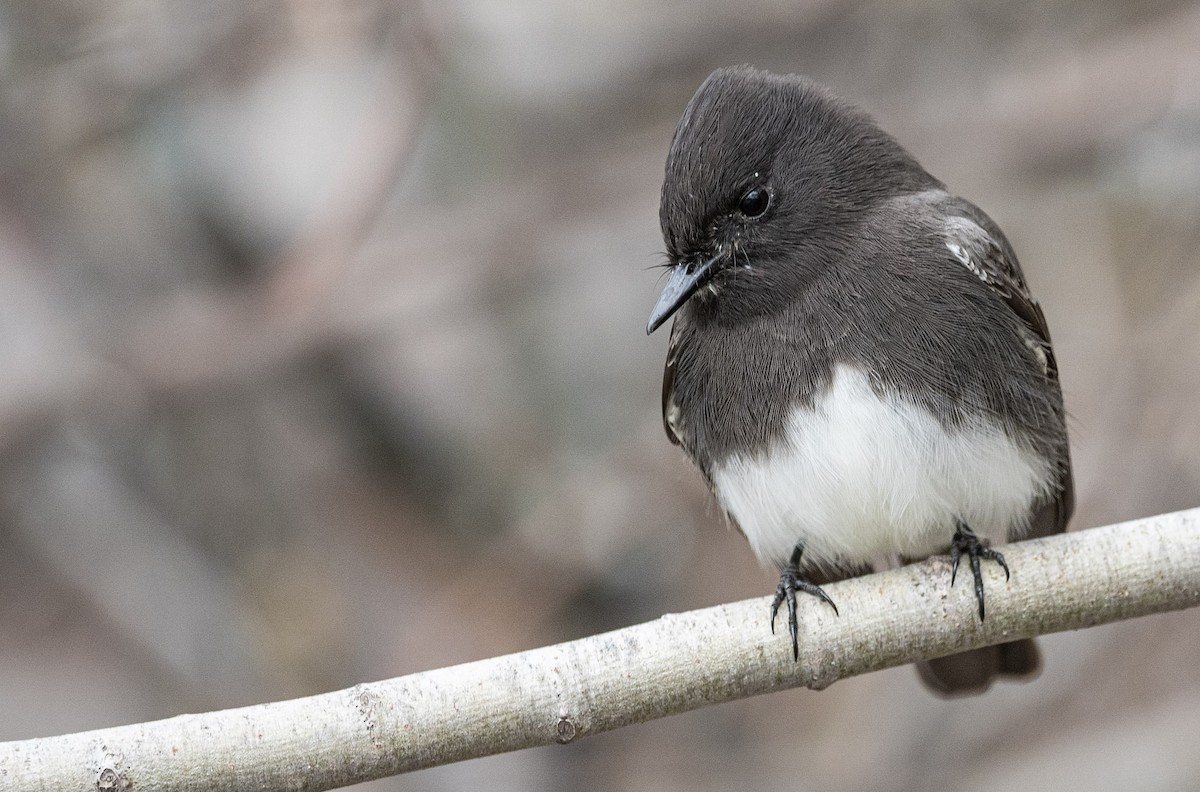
x=791, y=581
x=966, y=542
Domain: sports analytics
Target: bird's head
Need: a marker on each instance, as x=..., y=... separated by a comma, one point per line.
x=766, y=178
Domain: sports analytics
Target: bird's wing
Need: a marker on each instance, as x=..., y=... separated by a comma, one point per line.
x=670, y=413
x=977, y=244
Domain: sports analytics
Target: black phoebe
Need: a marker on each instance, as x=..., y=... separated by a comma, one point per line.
x=856, y=364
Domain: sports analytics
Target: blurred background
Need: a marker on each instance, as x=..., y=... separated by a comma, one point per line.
x=322, y=359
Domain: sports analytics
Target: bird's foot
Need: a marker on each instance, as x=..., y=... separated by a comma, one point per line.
x=965, y=542
x=791, y=581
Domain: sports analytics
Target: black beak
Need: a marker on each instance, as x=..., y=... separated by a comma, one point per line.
x=682, y=284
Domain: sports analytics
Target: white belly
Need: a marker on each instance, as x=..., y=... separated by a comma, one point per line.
x=862, y=478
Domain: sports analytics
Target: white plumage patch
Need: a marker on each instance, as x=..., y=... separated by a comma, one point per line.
x=960, y=253
x=864, y=478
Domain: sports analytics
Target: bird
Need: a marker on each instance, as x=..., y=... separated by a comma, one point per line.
x=856, y=364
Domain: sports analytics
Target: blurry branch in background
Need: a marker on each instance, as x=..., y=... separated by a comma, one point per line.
x=155, y=334
x=676, y=663
x=222, y=336
x=376, y=155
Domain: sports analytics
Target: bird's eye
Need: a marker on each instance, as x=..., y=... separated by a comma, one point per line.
x=754, y=202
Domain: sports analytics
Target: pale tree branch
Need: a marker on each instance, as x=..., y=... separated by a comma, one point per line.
x=676, y=663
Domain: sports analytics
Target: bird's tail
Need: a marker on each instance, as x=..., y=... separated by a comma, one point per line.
x=972, y=672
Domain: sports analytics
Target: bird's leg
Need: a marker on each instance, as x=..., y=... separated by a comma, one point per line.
x=791, y=581
x=965, y=542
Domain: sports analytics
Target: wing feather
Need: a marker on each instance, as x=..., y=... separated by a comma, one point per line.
x=977, y=244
